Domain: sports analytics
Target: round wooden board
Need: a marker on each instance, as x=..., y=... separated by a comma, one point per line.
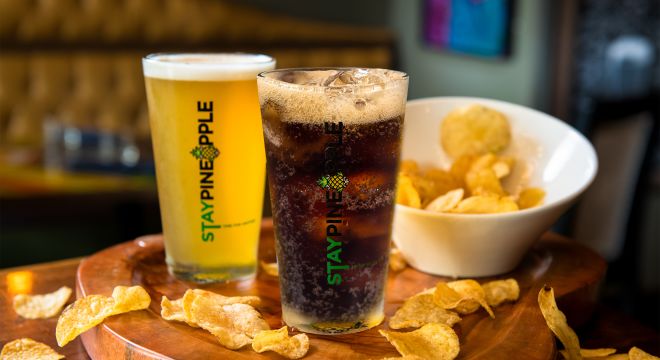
x=518, y=331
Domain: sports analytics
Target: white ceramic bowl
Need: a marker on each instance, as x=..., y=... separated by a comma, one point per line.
x=554, y=156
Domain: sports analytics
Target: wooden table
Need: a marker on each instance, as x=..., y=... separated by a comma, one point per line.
x=606, y=328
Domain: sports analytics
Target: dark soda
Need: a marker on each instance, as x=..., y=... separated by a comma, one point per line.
x=332, y=179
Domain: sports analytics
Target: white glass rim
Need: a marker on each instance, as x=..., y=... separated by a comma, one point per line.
x=206, y=66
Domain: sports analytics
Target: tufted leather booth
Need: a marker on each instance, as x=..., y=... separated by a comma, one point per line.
x=78, y=61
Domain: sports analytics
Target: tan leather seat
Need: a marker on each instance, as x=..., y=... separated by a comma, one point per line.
x=78, y=62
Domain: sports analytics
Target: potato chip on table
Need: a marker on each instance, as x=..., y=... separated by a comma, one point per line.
x=231, y=319
x=448, y=298
x=294, y=347
x=191, y=294
x=129, y=299
x=431, y=341
x=420, y=310
x=499, y=291
x=82, y=315
x=91, y=310
x=172, y=310
x=234, y=325
x=26, y=348
x=470, y=289
x=41, y=306
x=181, y=309
x=557, y=323
x=636, y=353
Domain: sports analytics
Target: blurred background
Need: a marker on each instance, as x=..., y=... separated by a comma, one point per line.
x=76, y=171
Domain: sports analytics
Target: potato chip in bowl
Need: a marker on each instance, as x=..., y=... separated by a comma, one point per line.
x=483, y=179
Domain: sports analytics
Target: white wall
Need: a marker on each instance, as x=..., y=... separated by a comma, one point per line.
x=519, y=78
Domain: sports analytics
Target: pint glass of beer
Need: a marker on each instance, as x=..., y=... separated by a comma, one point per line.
x=332, y=145
x=210, y=163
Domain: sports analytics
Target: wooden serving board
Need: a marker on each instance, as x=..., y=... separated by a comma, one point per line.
x=518, y=331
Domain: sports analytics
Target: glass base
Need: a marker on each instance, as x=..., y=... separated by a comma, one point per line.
x=212, y=275
x=306, y=324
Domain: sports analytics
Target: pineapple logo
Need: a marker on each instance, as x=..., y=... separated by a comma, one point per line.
x=337, y=182
x=207, y=152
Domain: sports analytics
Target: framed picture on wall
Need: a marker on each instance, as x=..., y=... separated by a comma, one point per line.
x=473, y=27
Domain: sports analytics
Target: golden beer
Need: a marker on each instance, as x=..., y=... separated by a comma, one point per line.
x=210, y=163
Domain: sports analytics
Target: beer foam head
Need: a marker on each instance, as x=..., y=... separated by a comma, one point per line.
x=198, y=67
x=350, y=95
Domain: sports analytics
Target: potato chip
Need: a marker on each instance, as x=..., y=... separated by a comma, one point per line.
x=510, y=161
x=485, y=205
x=191, y=294
x=591, y=353
x=499, y=291
x=557, y=323
x=409, y=167
x=437, y=182
x=530, y=198
x=424, y=187
x=41, y=306
x=186, y=303
x=172, y=310
x=26, y=348
x=471, y=135
x=447, y=201
x=82, y=315
x=471, y=289
x=484, y=182
x=501, y=169
x=420, y=310
x=461, y=166
x=474, y=130
x=430, y=342
x=219, y=324
x=234, y=325
x=406, y=194
x=294, y=347
x=482, y=162
x=426, y=291
x=448, y=298
x=87, y=312
x=407, y=357
x=501, y=165
x=130, y=299
x=636, y=353
x=270, y=268
x=397, y=261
